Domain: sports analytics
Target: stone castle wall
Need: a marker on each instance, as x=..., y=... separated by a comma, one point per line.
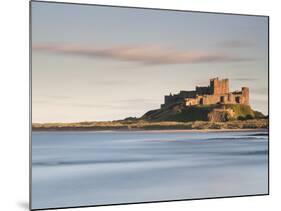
x=216, y=92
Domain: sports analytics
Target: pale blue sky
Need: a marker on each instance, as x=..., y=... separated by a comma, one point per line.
x=106, y=63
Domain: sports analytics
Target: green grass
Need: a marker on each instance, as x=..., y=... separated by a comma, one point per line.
x=241, y=110
x=145, y=125
x=198, y=112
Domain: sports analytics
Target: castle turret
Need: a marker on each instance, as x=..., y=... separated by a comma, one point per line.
x=245, y=95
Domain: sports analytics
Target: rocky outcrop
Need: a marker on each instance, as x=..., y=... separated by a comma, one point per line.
x=221, y=115
x=213, y=113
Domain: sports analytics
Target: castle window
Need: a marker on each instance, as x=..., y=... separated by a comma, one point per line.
x=222, y=99
x=201, y=101
x=237, y=99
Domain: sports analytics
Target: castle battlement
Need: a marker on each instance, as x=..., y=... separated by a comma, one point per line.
x=217, y=92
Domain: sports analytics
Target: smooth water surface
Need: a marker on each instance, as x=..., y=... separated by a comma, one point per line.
x=95, y=168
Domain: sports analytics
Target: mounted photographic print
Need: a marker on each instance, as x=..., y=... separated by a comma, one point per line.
x=134, y=105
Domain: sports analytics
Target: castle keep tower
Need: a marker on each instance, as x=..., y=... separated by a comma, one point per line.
x=218, y=87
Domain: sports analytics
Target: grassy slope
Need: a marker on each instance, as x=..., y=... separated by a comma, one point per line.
x=195, y=113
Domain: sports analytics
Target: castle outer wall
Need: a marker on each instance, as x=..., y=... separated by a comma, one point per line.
x=216, y=93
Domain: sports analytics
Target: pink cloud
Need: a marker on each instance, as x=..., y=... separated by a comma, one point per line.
x=143, y=54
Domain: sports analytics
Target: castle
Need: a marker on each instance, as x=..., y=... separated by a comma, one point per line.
x=216, y=93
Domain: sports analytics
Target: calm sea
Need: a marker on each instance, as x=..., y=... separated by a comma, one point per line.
x=95, y=168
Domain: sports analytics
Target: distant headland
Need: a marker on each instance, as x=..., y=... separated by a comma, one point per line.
x=206, y=107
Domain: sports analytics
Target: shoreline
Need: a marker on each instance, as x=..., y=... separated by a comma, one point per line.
x=156, y=130
x=196, y=126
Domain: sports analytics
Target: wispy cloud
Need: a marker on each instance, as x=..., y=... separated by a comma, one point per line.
x=49, y=99
x=122, y=104
x=244, y=79
x=235, y=44
x=112, y=82
x=259, y=97
x=261, y=90
x=143, y=54
x=138, y=100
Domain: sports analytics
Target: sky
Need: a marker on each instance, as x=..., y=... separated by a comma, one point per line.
x=98, y=63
